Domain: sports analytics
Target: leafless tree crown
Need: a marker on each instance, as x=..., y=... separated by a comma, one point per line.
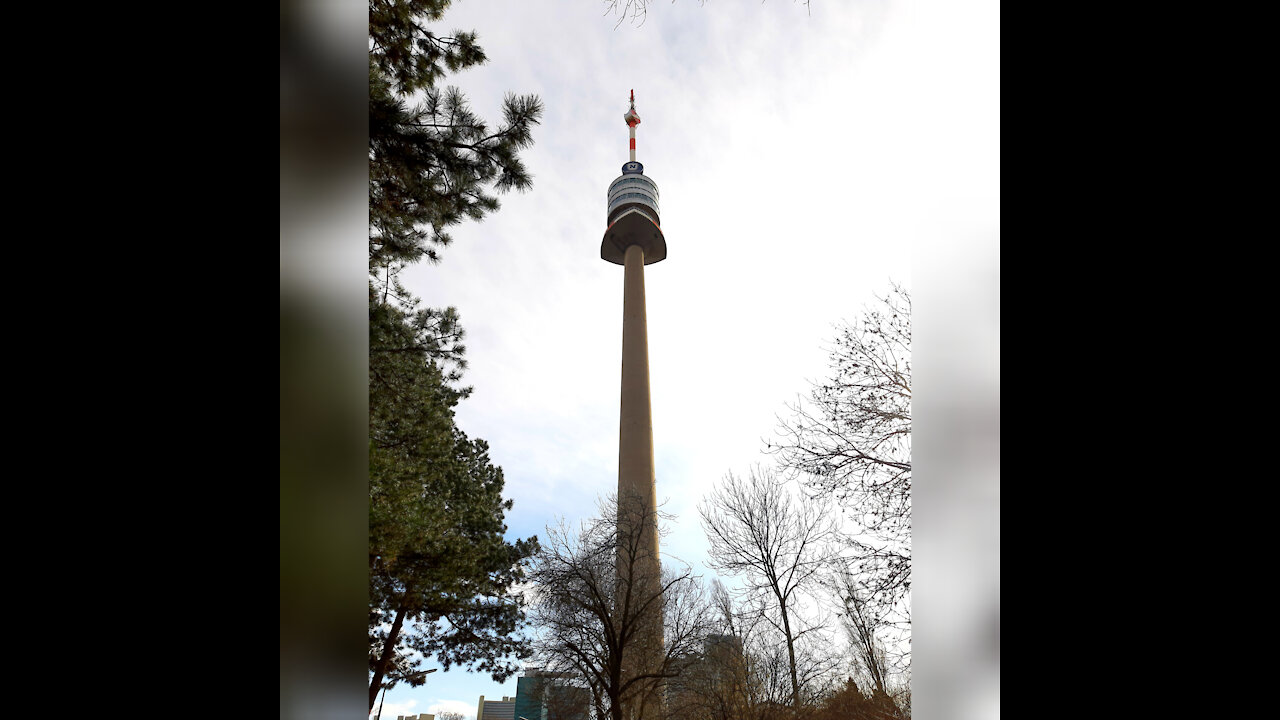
x=779, y=545
x=850, y=440
x=593, y=614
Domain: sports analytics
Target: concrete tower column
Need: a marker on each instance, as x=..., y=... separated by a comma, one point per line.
x=638, y=560
x=637, y=487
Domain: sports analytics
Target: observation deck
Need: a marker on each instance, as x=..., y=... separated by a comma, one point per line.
x=632, y=217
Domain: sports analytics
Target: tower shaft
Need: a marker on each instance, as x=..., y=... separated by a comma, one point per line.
x=639, y=565
x=636, y=480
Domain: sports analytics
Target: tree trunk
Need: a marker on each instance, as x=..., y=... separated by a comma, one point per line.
x=791, y=655
x=615, y=690
x=388, y=649
x=616, y=710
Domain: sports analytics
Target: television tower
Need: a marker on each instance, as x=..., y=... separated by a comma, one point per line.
x=634, y=239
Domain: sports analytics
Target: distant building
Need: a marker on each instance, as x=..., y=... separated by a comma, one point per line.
x=423, y=716
x=722, y=654
x=529, y=693
x=714, y=645
x=714, y=681
x=504, y=709
x=542, y=695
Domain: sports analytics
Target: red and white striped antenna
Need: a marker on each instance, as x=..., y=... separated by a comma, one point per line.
x=632, y=121
x=632, y=215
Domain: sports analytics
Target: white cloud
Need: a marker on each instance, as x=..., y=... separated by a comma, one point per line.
x=392, y=709
x=458, y=706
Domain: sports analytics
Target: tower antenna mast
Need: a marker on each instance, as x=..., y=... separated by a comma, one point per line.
x=632, y=121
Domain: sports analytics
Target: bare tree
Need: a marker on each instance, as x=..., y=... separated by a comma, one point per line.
x=719, y=686
x=744, y=671
x=778, y=545
x=593, y=612
x=449, y=715
x=851, y=441
x=862, y=622
x=770, y=690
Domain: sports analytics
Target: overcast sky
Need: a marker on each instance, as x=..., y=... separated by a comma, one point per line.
x=800, y=156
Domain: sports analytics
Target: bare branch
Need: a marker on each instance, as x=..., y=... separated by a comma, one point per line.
x=777, y=544
x=594, y=608
x=850, y=441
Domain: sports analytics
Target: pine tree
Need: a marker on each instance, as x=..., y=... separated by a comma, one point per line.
x=441, y=572
x=432, y=162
